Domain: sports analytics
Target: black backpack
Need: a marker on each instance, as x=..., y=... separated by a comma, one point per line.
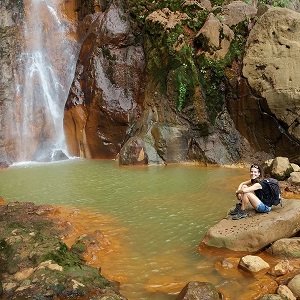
x=271, y=191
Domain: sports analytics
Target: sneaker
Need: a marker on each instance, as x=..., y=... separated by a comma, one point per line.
x=240, y=215
x=236, y=209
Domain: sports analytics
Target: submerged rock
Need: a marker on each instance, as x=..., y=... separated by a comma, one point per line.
x=200, y=291
x=256, y=231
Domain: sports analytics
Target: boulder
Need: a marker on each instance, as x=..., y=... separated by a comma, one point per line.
x=294, y=178
x=281, y=268
x=281, y=168
x=288, y=247
x=167, y=18
x=249, y=234
x=253, y=264
x=215, y=38
x=271, y=65
x=199, y=290
x=271, y=297
x=236, y=12
x=294, y=285
x=295, y=167
x=285, y=292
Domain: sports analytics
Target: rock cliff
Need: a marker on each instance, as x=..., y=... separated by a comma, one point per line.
x=174, y=82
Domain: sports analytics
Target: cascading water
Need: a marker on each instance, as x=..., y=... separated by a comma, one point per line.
x=48, y=60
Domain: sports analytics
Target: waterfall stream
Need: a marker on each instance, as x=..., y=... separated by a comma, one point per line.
x=48, y=61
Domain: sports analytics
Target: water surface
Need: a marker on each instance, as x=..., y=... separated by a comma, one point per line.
x=164, y=212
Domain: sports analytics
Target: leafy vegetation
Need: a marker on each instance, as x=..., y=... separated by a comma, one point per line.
x=64, y=257
x=212, y=72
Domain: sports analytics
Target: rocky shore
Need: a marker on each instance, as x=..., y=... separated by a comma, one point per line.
x=36, y=264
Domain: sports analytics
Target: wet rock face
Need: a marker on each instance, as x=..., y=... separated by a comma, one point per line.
x=10, y=48
x=105, y=94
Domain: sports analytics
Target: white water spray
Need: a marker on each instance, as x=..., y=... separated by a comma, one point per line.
x=49, y=60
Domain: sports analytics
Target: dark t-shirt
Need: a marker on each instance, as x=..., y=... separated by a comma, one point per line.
x=264, y=193
x=259, y=194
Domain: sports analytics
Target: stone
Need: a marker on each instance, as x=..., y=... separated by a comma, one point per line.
x=215, y=44
x=294, y=178
x=271, y=297
x=23, y=274
x=286, y=247
x=281, y=168
x=294, y=285
x=236, y=12
x=271, y=65
x=285, y=292
x=200, y=291
x=8, y=286
x=281, y=268
x=249, y=234
x=166, y=18
x=253, y=263
x=295, y=167
x=50, y=265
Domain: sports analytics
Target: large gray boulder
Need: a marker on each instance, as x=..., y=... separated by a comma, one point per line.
x=272, y=64
x=257, y=231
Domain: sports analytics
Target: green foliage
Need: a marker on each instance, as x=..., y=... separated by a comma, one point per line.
x=63, y=256
x=197, y=17
x=167, y=63
x=79, y=247
x=212, y=72
x=212, y=80
x=217, y=2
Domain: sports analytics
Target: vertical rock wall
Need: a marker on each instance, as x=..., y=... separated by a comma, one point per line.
x=105, y=96
x=10, y=48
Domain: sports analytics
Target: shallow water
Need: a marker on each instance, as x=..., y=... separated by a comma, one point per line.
x=159, y=215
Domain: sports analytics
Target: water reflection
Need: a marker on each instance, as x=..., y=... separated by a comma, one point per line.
x=158, y=215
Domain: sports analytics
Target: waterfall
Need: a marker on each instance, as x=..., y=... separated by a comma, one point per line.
x=48, y=62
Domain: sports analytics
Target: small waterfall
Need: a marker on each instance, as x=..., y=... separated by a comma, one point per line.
x=48, y=60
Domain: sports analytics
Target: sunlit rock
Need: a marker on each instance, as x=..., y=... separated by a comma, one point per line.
x=167, y=18
x=254, y=264
x=248, y=234
x=286, y=247
x=281, y=268
x=236, y=12
x=294, y=178
x=285, y=292
x=281, y=168
x=271, y=65
x=294, y=285
x=214, y=38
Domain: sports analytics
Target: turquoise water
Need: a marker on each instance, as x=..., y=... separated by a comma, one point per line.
x=164, y=211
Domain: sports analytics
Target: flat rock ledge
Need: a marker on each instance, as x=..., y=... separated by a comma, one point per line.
x=257, y=231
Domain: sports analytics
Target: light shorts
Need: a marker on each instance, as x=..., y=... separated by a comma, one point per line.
x=262, y=208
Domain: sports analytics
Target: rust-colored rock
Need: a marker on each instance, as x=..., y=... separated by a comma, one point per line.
x=107, y=85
